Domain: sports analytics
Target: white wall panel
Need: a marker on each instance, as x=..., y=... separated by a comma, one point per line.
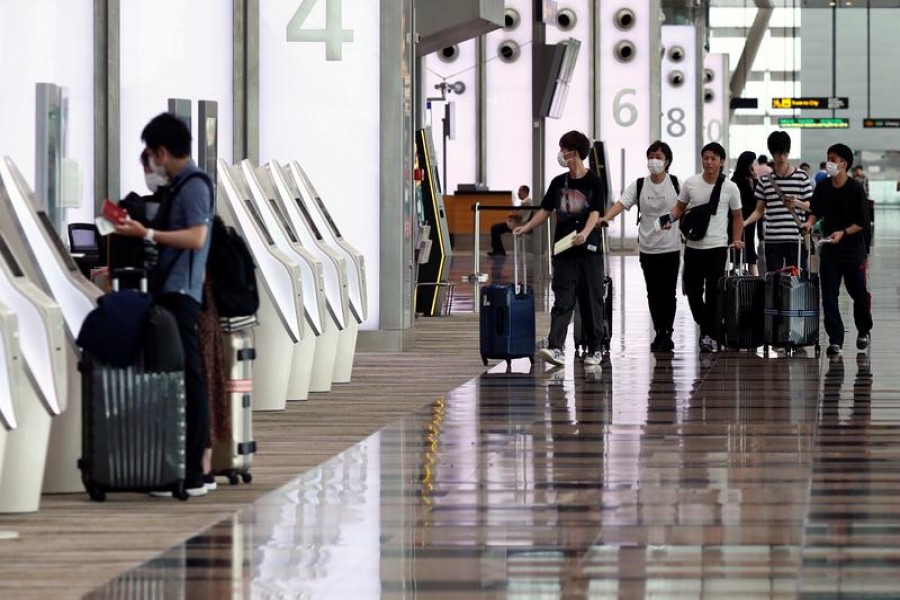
x=326, y=114
x=48, y=41
x=577, y=113
x=509, y=122
x=460, y=150
x=680, y=115
x=172, y=49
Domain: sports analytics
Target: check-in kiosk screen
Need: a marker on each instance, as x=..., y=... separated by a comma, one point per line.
x=283, y=220
x=327, y=214
x=10, y=259
x=312, y=224
x=251, y=208
x=57, y=242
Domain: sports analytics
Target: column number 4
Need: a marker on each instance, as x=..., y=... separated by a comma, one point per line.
x=334, y=35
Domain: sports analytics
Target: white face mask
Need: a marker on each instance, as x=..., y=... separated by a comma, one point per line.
x=832, y=168
x=656, y=166
x=561, y=159
x=155, y=181
x=158, y=169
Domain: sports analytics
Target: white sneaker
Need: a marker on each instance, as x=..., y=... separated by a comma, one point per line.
x=209, y=482
x=593, y=359
x=554, y=356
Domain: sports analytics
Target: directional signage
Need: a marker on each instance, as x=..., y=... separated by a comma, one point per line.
x=881, y=123
x=812, y=103
x=814, y=123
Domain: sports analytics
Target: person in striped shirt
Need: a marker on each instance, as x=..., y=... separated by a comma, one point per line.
x=783, y=198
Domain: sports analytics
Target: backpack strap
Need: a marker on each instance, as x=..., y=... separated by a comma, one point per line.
x=675, y=184
x=716, y=194
x=173, y=193
x=640, y=187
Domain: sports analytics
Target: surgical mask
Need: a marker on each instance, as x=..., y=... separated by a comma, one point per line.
x=832, y=168
x=656, y=166
x=155, y=181
x=158, y=169
x=561, y=159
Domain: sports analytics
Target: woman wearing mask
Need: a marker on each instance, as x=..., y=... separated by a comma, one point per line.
x=660, y=248
x=745, y=178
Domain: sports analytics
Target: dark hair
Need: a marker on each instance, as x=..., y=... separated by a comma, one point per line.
x=763, y=159
x=526, y=188
x=577, y=141
x=805, y=164
x=843, y=151
x=779, y=142
x=168, y=131
x=145, y=158
x=822, y=165
x=742, y=168
x=663, y=147
x=713, y=147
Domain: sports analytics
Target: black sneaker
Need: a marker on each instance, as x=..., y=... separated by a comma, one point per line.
x=657, y=341
x=863, y=341
x=666, y=344
x=834, y=350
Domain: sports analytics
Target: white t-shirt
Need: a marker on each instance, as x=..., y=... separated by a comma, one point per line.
x=656, y=200
x=696, y=192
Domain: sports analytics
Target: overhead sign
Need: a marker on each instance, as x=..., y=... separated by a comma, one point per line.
x=814, y=123
x=881, y=123
x=744, y=103
x=812, y=103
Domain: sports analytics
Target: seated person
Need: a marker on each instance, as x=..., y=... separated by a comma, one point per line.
x=512, y=221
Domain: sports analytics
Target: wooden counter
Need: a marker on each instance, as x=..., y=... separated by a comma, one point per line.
x=460, y=216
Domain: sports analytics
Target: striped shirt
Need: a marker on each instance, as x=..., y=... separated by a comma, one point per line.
x=780, y=225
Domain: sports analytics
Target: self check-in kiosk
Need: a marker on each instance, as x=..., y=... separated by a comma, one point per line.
x=281, y=313
x=46, y=262
x=334, y=275
x=10, y=382
x=43, y=347
x=305, y=350
x=356, y=269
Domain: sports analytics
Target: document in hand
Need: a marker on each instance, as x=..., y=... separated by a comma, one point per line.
x=564, y=243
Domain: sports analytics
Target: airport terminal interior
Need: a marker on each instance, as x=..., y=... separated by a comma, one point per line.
x=363, y=445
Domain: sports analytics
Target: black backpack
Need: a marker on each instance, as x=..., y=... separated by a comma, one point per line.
x=231, y=272
x=640, y=186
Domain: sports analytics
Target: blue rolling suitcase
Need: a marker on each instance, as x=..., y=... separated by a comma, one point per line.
x=507, y=316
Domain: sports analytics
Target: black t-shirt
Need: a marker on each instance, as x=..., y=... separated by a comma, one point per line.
x=573, y=200
x=839, y=208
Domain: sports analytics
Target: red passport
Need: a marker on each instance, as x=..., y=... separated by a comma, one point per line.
x=114, y=212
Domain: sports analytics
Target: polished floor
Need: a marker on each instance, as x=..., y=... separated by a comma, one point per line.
x=731, y=475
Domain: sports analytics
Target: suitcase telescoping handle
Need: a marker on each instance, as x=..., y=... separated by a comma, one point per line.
x=735, y=263
x=517, y=240
x=116, y=275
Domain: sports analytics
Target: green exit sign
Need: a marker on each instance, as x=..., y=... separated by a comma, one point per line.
x=805, y=123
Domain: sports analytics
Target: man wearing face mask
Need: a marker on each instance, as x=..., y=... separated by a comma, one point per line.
x=577, y=197
x=660, y=249
x=841, y=203
x=177, y=281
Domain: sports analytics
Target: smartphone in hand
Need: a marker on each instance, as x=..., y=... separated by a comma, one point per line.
x=664, y=222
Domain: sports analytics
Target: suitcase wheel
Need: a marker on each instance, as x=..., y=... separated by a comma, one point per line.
x=97, y=495
x=484, y=359
x=818, y=350
x=179, y=492
x=246, y=477
x=531, y=359
x=233, y=478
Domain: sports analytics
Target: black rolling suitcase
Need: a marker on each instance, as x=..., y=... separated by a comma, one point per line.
x=506, y=325
x=582, y=344
x=739, y=306
x=133, y=427
x=792, y=308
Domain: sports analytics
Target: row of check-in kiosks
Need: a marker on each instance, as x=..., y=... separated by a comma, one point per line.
x=312, y=289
